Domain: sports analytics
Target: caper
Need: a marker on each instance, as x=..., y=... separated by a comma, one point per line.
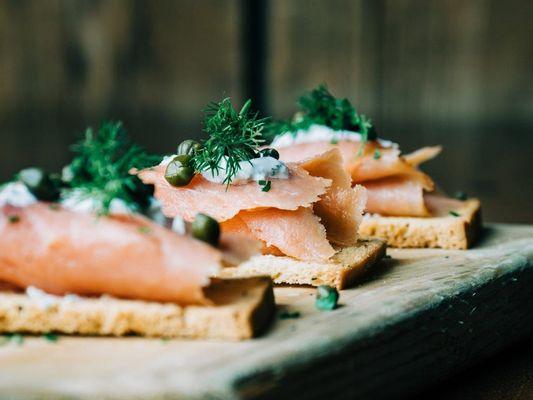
x=188, y=147
x=269, y=152
x=179, y=171
x=39, y=184
x=326, y=298
x=206, y=229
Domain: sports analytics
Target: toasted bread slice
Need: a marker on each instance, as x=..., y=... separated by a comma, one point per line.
x=241, y=309
x=453, y=225
x=341, y=271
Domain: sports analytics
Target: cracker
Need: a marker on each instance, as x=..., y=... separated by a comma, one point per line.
x=242, y=308
x=447, y=229
x=341, y=271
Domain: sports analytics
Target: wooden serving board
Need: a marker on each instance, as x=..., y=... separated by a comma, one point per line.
x=423, y=316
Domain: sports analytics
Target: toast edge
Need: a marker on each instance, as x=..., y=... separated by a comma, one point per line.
x=458, y=233
x=243, y=309
x=349, y=264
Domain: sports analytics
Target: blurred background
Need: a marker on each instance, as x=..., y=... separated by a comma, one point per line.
x=457, y=73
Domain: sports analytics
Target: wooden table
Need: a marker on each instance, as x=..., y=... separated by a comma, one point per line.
x=424, y=315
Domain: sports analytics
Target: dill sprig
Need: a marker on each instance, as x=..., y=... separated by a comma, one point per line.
x=101, y=168
x=233, y=136
x=320, y=107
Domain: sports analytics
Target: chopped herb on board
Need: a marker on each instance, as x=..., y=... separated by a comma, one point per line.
x=265, y=185
x=13, y=219
x=455, y=213
x=50, y=337
x=16, y=338
x=377, y=154
x=326, y=298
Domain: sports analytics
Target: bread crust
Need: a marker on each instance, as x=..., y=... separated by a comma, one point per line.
x=344, y=268
x=442, y=230
x=242, y=308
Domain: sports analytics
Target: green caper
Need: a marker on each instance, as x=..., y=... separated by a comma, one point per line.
x=206, y=229
x=327, y=298
x=39, y=184
x=269, y=152
x=179, y=171
x=188, y=147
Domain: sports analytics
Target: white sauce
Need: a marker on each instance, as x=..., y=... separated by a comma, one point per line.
x=16, y=194
x=167, y=159
x=179, y=226
x=77, y=200
x=321, y=133
x=46, y=301
x=257, y=169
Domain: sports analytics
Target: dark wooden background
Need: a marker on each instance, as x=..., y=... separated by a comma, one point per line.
x=455, y=72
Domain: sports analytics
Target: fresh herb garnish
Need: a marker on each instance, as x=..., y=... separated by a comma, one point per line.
x=101, y=168
x=51, y=337
x=460, y=195
x=12, y=337
x=233, y=137
x=377, y=154
x=265, y=185
x=334, y=140
x=320, y=107
x=13, y=219
x=454, y=213
x=326, y=298
x=54, y=207
x=285, y=314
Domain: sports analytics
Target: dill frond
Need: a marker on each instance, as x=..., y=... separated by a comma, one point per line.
x=101, y=166
x=320, y=107
x=233, y=136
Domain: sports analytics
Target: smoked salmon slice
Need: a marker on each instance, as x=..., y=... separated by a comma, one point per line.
x=298, y=234
x=422, y=155
x=395, y=186
x=61, y=251
x=364, y=165
x=223, y=203
x=396, y=196
x=341, y=208
x=297, y=217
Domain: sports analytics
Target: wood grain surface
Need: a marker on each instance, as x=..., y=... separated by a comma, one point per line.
x=425, y=315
